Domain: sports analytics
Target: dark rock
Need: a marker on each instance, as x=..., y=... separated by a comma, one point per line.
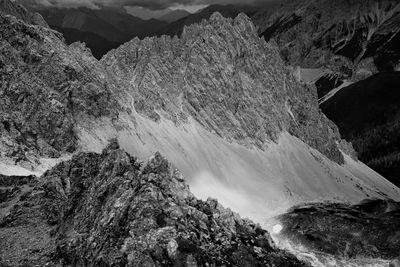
x=395, y=263
x=369, y=229
x=9, y=181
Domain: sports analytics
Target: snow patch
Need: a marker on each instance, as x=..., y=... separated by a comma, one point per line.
x=334, y=91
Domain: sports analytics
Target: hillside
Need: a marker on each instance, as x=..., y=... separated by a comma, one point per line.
x=174, y=15
x=367, y=114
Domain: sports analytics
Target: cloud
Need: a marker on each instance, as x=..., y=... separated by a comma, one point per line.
x=148, y=4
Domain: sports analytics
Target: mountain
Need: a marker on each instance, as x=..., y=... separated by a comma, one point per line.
x=102, y=30
x=348, y=50
x=145, y=13
x=229, y=11
x=109, y=24
x=346, y=40
x=174, y=15
x=218, y=102
x=367, y=114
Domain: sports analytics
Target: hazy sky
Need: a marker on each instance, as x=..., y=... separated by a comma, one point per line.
x=190, y=5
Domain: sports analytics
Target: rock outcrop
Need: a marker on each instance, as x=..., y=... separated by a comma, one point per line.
x=110, y=209
x=368, y=230
x=7, y=7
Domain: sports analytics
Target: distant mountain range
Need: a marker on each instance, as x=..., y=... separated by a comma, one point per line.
x=101, y=30
x=113, y=25
x=146, y=14
x=228, y=11
x=107, y=28
x=174, y=15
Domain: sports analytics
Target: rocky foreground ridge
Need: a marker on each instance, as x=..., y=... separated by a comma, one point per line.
x=110, y=209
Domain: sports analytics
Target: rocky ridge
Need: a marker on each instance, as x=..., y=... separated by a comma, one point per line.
x=110, y=209
x=225, y=77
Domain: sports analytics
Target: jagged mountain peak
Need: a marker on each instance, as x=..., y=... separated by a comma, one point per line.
x=246, y=87
x=240, y=23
